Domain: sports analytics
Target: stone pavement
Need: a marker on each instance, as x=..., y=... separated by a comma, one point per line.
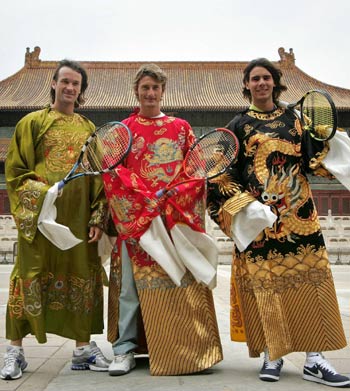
x=49, y=364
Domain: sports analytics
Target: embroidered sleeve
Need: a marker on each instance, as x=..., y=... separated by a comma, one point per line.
x=226, y=194
x=314, y=152
x=98, y=203
x=25, y=188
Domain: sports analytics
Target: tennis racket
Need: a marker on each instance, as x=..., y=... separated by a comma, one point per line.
x=210, y=156
x=317, y=113
x=102, y=152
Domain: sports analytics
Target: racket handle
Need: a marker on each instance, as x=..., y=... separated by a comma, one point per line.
x=61, y=184
x=160, y=193
x=167, y=193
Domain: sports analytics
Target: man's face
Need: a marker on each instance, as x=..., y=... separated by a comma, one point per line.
x=260, y=84
x=149, y=93
x=67, y=87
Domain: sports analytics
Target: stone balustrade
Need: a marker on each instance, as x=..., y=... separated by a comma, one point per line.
x=8, y=239
x=335, y=229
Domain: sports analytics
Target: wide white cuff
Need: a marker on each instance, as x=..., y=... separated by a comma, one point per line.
x=105, y=247
x=157, y=243
x=58, y=234
x=198, y=253
x=337, y=161
x=249, y=222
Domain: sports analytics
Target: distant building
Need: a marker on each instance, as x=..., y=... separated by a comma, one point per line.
x=207, y=94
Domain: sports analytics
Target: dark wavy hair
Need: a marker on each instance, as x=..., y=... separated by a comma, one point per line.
x=84, y=80
x=276, y=75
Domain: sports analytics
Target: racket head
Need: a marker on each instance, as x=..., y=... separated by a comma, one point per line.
x=318, y=115
x=107, y=147
x=212, y=154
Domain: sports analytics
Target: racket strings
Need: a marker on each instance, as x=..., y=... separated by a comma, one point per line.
x=106, y=149
x=318, y=114
x=211, y=155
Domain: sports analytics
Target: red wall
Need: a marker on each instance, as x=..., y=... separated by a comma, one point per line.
x=338, y=201
x=4, y=203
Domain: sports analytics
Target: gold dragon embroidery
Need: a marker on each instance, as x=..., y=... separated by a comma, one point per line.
x=285, y=189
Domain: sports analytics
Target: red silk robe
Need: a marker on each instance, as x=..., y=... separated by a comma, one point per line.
x=158, y=149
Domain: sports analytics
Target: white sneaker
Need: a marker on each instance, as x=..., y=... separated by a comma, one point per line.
x=89, y=357
x=122, y=364
x=319, y=370
x=14, y=363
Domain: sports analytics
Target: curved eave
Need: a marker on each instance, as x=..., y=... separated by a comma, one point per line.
x=192, y=86
x=299, y=83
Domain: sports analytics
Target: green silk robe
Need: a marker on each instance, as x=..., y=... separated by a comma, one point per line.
x=53, y=291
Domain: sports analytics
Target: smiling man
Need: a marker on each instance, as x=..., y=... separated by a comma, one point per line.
x=55, y=291
x=175, y=324
x=282, y=292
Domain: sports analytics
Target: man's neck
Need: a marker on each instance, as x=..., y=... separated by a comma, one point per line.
x=149, y=113
x=64, y=109
x=264, y=105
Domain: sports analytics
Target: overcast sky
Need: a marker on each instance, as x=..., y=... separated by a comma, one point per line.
x=180, y=30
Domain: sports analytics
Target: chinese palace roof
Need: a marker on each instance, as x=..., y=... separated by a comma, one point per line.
x=192, y=85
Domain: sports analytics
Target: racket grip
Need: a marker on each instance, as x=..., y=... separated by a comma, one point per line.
x=61, y=184
x=167, y=193
x=160, y=193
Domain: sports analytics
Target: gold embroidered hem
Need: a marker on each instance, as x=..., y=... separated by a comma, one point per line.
x=289, y=304
x=41, y=303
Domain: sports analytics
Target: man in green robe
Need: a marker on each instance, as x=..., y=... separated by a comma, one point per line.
x=53, y=290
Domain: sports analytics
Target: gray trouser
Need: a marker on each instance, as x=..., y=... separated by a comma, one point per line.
x=128, y=308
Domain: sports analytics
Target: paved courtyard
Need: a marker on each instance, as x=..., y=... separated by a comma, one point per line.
x=49, y=368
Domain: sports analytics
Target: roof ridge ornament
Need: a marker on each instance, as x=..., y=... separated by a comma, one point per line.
x=285, y=57
x=32, y=58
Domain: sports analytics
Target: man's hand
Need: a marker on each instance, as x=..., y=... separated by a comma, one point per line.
x=95, y=234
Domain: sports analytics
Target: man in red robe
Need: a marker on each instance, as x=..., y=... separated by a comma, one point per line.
x=163, y=311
